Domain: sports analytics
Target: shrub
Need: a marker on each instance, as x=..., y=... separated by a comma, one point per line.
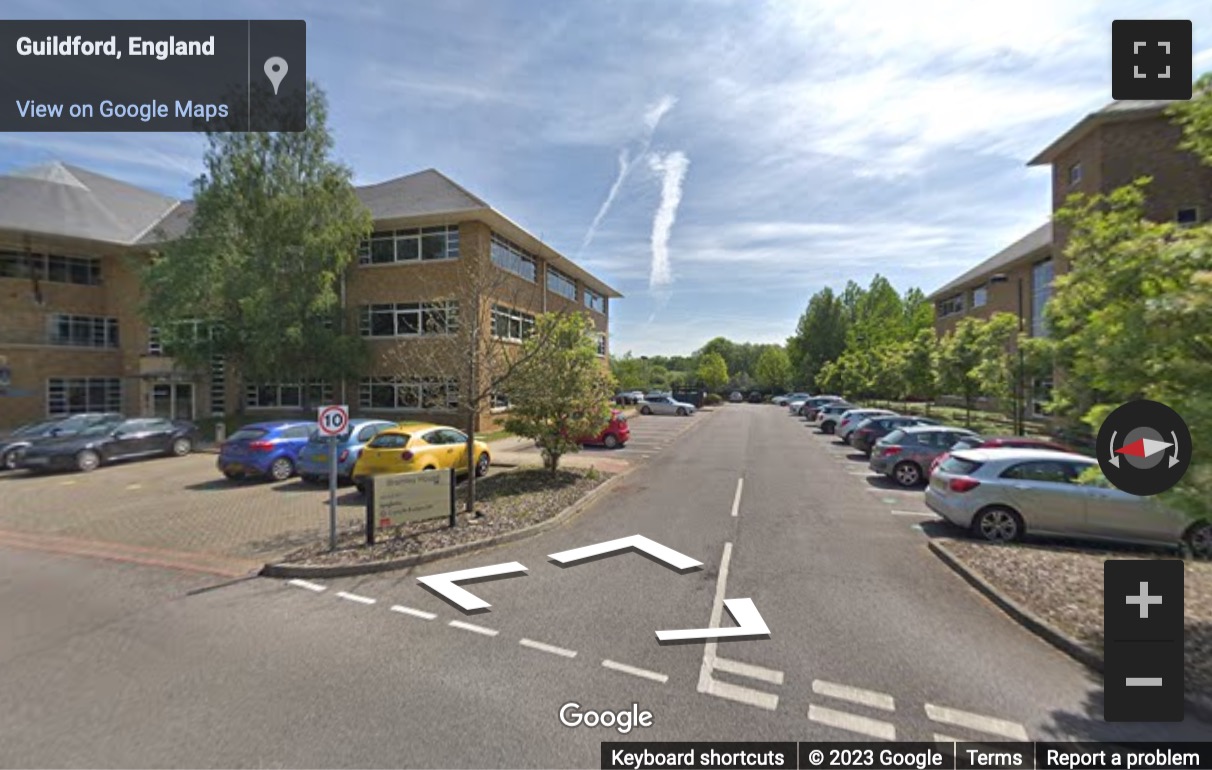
x=713, y=399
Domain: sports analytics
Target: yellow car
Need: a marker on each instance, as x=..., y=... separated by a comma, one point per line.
x=417, y=446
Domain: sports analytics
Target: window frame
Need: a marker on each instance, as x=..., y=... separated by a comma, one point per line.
x=408, y=246
x=408, y=394
x=313, y=392
x=525, y=323
x=1179, y=213
x=594, y=301
x=567, y=284
x=1075, y=173
x=111, y=401
x=508, y=256
x=399, y=312
x=99, y=332
x=983, y=290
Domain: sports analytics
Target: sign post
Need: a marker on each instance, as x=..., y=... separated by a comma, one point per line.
x=332, y=422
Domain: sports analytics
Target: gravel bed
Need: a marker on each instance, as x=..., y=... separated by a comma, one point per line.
x=506, y=502
x=1064, y=586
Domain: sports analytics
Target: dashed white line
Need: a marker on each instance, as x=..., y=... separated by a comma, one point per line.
x=1012, y=730
x=736, y=500
x=640, y=672
x=422, y=614
x=532, y=644
x=310, y=586
x=874, y=728
x=355, y=598
x=473, y=628
x=858, y=695
x=750, y=670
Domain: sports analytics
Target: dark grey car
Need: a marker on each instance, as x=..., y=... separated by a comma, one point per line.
x=905, y=454
x=14, y=445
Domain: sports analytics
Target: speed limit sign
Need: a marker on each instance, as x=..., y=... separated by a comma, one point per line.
x=333, y=420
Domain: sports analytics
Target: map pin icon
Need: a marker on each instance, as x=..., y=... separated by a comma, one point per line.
x=275, y=70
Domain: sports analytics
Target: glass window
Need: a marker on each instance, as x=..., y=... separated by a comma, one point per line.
x=76, y=395
x=1048, y=471
x=950, y=306
x=1041, y=291
x=594, y=301
x=1187, y=217
x=412, y=245
x=509, y=256
x=401, y=393
x=509, y=324
x=382, y=251
x=561, y=284
x=285, y=395
x=408, y=249
x=957, y=466
x=1075, y=174
x=980, y=296
x=370, y=431
x=389, y=441
x=83, y=331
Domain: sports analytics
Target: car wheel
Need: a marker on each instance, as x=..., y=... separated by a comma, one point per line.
x=10, y=460
x=907, y=474
x=482, y=465
x=645, y=410
x=998, y=524
x=827, y=428
x=681, y=412
x=231, y=476
x=429, y=468
x=182, y=447
x=87, y=460
x=611, y=441
x=281, y=469
x=1199, y=540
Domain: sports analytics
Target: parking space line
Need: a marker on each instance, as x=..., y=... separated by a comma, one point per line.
x=736, y=500
x=355, y=598
x=857, y=695
x=547, y=648
x=717, y=612
x=864, y=474
x=1012, y=730
x=926, y=514
x=748, y=669
x=422, y=614
x=310, y=586
x=473, y=628
x=873, y=728
x=746, y=695
x=640, y=672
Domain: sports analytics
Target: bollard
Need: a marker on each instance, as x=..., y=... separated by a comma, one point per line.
x=220, y=432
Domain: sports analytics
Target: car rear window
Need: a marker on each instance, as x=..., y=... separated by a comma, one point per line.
x=247, y=434
x=967, y=442
x=959, y=466
x=389, y=441
x=895, y=437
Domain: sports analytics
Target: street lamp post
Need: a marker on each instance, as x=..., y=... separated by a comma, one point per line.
x=1019, y=390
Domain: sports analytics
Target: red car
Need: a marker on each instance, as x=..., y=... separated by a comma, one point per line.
x=614, y=435
x=1017, y=442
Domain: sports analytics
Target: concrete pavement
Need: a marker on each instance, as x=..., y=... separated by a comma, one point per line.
x=871, y=638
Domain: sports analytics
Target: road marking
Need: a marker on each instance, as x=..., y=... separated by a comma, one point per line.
x=750, y=670
x=857, y=695
x=736, y=500
x=68, y=483
x=1012, y=730
x=717, y=611
x=640, y=672
x=746, y=695
x=134, y=486
x=874, y=728
x=547, y=648
x=310, y=586
x=911, y=513
x=473, y=628
x=859, y=473
x=422, y=614
x=355, y=598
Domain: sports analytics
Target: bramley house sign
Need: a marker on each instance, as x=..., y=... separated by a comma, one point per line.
x=399, y=498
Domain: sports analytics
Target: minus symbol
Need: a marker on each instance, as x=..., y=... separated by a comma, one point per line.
x=1144, y=681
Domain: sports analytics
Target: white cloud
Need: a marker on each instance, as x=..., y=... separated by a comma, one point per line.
x=672, y=168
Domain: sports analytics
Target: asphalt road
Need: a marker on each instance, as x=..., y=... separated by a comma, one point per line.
x=871, y=637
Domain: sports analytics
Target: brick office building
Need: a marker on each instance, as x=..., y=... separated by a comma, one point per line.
x=71, y=339
x=1106, y=149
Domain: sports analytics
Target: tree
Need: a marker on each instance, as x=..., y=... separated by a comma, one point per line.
x=921, y=366
x=713, y=371
x=997, y=371
x=820, y=336
x=960, y=352
x=561, y=392
x=774, y=369
x=628, y=372
x=275, y=224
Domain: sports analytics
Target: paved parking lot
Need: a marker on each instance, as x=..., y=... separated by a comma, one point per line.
x=650, y=434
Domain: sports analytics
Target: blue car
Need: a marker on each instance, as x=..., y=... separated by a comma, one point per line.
x=265, y=449
x=313, y=460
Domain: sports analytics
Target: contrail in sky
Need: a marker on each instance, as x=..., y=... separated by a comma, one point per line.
x=673, y=168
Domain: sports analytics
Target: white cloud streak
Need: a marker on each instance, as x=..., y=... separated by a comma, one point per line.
x=652, y=119
x=672, y=167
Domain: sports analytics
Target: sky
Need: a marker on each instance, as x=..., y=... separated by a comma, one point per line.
x=716, y=161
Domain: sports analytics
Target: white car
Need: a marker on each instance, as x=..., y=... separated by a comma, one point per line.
x=787, y=399
x=737, y=397
x=654, y=404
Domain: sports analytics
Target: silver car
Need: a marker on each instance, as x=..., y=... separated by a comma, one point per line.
x=849, y=421
x=655, y=404
x=787, y=399
x=827, y=416
x=905, y=455
x=1000, y=494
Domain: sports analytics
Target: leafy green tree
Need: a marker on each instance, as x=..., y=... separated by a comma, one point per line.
x=774, y=369
x=820, y=337
x=880, y=316
x=960, y=352
x=562, y=393
x=275, y=225
x=921, y=366
x=713, y=371
x=919, y=313
x=628, y=372
x=997, y=371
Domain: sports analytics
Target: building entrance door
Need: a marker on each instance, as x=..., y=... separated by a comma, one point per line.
x=173, y=400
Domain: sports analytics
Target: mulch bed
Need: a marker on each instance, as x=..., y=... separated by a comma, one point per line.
x=506, y=502
x=1064, y=586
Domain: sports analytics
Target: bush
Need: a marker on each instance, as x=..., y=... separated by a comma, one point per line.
x=713, y=399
